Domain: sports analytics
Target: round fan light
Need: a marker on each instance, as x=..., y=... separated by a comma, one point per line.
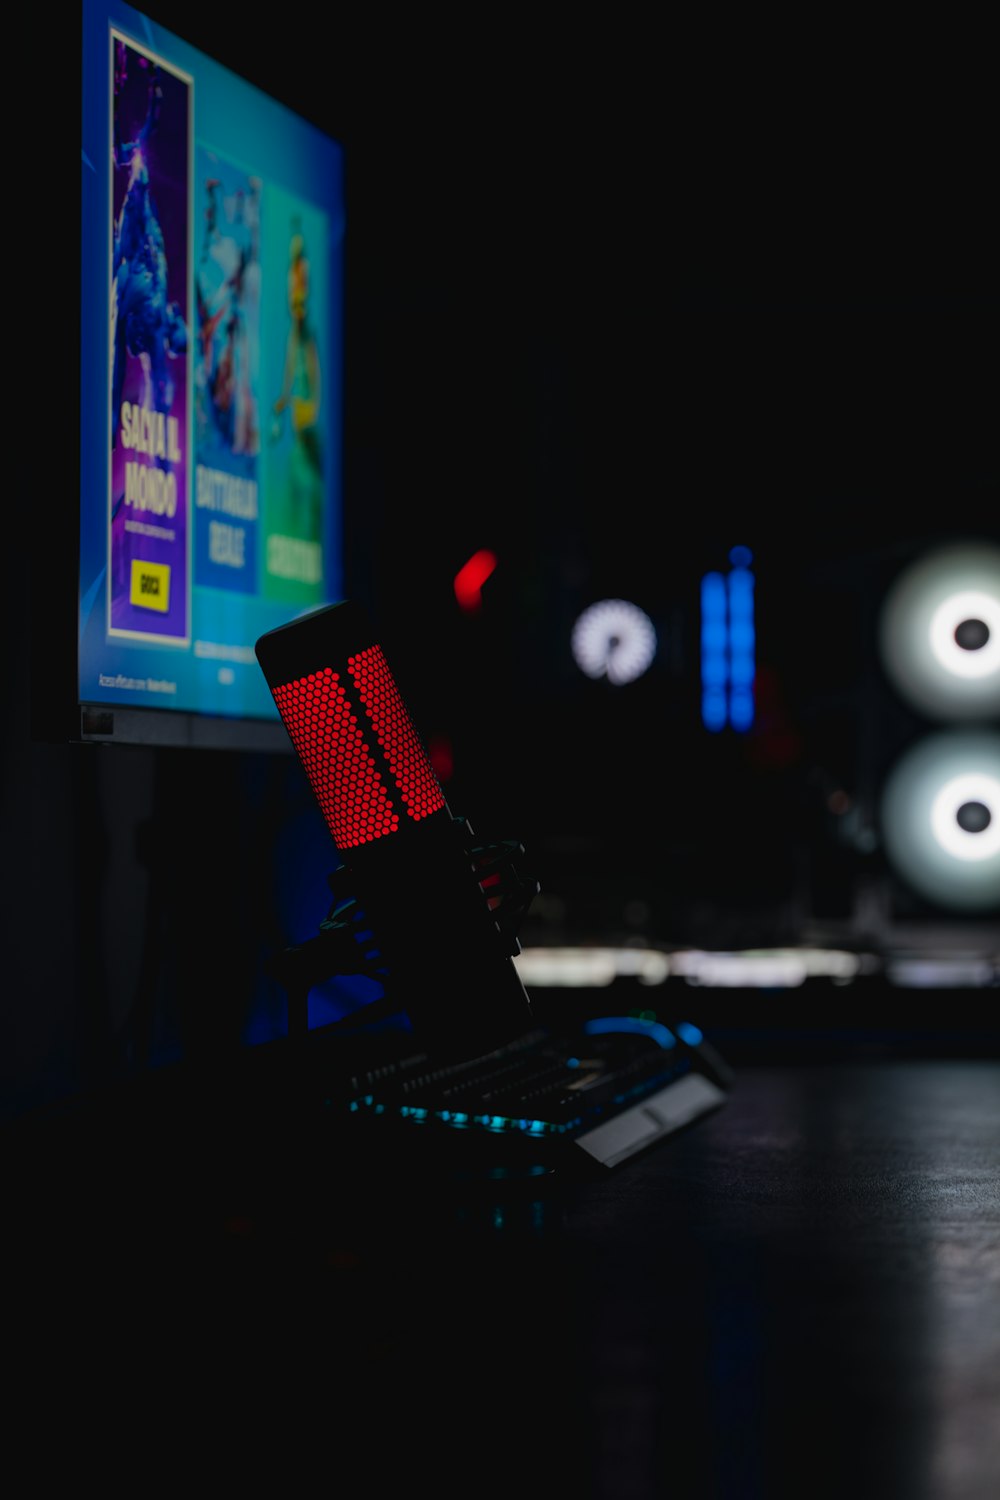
x=941, y=818
x=614, y=639
x=940, y=632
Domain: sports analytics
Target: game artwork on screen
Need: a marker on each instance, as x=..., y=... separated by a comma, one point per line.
x=149, y=586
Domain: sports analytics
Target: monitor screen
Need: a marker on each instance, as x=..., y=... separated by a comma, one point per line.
x=211, y=331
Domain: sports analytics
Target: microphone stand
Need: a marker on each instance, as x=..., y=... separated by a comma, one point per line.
x=345, y=943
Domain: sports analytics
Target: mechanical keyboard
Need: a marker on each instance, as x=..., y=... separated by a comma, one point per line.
x=598, y=1093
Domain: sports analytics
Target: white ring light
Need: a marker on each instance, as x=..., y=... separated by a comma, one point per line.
x=923, y=610
x=950, y=834
x=969, y=604
x=928, y=847
x=614, y=639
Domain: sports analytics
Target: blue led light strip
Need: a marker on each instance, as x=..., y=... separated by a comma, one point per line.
x=728, y=639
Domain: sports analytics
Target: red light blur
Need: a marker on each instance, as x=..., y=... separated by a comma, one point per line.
x=469, y=579
x=442, y=757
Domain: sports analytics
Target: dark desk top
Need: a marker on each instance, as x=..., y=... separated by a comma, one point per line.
x=798, y=1296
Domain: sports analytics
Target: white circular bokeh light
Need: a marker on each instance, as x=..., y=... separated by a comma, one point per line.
x=924, y=840
x=967, y=604
x=614, y=639
x=921, y=614
x=953, y=838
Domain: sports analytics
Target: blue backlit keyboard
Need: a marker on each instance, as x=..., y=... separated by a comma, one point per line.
x=599, y=1092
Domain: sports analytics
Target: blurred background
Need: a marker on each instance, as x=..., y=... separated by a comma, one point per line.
x=625, y=314
x=670, y=419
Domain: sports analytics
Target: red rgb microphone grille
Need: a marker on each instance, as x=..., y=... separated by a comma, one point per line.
x=342, y=765
x=414, y=776
x=325, y=732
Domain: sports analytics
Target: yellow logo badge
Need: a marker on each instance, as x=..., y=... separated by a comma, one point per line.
x=150, y=586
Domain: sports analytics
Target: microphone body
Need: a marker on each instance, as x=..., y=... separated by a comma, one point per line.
x=405, y=856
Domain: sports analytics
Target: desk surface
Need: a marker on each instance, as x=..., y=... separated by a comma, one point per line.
x=797, y=1296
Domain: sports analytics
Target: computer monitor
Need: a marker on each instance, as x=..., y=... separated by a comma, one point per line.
x=211, y=233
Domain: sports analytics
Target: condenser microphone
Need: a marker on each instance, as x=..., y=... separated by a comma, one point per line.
x=407, y=862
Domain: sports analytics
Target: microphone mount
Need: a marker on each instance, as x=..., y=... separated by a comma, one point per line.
x=347, y=942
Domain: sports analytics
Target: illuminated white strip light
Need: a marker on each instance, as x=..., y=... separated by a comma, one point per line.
x=766, y=968
x=922, y=973
x=582, y=967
